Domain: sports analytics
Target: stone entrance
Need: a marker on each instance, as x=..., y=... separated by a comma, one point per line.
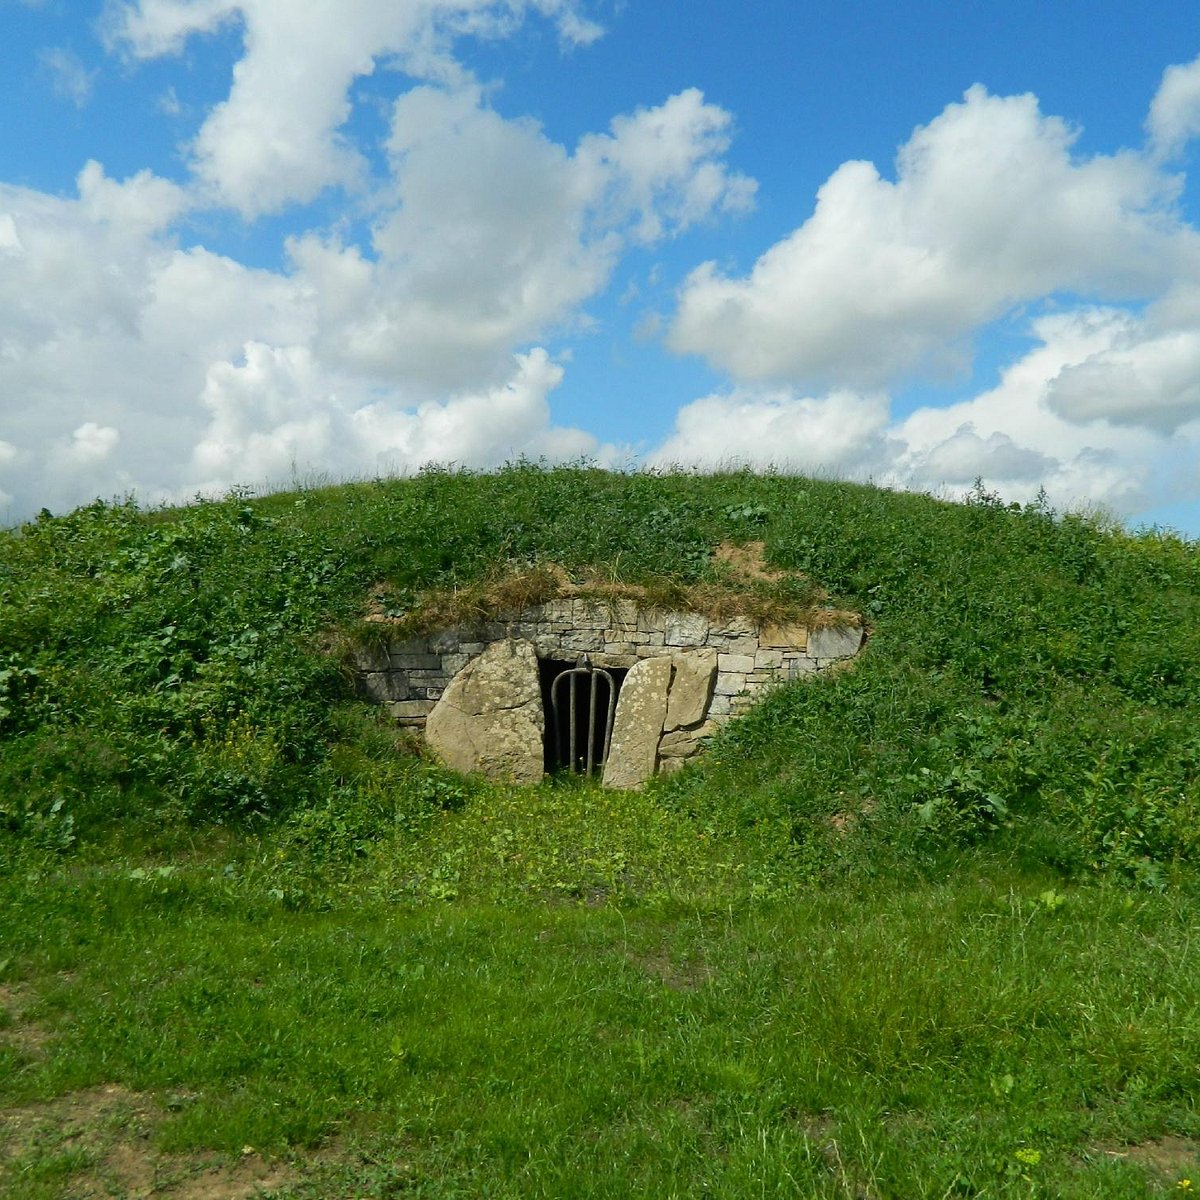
x=477, y=691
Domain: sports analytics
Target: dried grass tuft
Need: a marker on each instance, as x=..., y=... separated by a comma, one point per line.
x=741, y=584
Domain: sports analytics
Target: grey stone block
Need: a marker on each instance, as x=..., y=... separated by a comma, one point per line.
x=416, y=662
x=383, y=686
x=742, y=663
x=798, y=665
x=729, y=684
x=685, y=629
x=411, y=710
x=835, y=642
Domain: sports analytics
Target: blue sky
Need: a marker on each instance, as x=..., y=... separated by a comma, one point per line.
x=250, y=241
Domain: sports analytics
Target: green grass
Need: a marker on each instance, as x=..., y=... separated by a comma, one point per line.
x=921, y=928
x=895, y=1041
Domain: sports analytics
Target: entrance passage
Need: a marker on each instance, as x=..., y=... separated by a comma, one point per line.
x=580, y=702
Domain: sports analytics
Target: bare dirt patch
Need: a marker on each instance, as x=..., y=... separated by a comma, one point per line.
x=680, y=976
x=97, y=1143
x=25, y=1037
x=1167, y=1158
x=748, y=563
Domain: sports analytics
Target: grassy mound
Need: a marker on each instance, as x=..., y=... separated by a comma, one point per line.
x=1032, y=680
x=921, y=928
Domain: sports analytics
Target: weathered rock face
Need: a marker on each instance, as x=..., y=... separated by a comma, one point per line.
x=691, y=688
x=490, y=718
x=641, y=710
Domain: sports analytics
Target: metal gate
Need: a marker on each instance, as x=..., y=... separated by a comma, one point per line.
x=577, y=747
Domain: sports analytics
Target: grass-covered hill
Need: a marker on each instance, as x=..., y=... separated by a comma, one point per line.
x=1032, y=679
x=922, y=927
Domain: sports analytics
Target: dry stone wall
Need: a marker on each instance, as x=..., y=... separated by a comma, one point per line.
x=710, y=670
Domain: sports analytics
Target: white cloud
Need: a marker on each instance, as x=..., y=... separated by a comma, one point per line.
x=143, y=204
x=839, y=432
x=268, y=413
x=276, y=139
x=279, y=413
x=69, y=78
x=1153, y=382
x=477, y=428
x=1145, y=374
x=663, y=166
x=107, y=330
x=886, y=279
x=492, y=234
x=143, y=367
x=91, y=443
x=10, y=239
x=1011, y=435
x=151, y=28
x=1174, y=117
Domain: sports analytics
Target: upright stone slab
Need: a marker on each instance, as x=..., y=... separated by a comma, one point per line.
x=641, y=710
x=490, y=719
x=691, y=688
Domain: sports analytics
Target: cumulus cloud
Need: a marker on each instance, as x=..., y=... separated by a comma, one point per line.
x=276, y=139
x=279, y=411
x=663, y=166
x=887, y=279
x=92, y=442
x=1174, y=117
x=149, y=366
x=1012, y=435
x=107, y=329
x=841, y=432
x=1147, y=372
x=492, y=234
x=145, y=367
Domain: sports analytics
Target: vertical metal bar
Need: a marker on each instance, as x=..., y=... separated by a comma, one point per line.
x=612, y=708
x=574, y=742
x=591, y=741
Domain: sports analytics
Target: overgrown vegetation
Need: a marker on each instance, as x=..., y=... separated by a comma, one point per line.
x=920, y=928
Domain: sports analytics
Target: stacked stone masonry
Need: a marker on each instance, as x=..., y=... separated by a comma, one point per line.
x=718, y=668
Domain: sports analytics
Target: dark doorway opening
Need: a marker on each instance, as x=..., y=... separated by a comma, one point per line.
x=579, y=701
